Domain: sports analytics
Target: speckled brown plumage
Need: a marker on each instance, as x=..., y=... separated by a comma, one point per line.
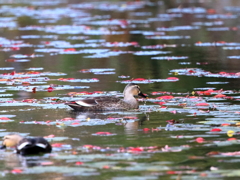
x=109, y=103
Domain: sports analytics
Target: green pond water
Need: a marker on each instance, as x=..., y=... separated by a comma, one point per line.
x=195, y=41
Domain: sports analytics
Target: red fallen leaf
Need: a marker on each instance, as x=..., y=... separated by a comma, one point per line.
x=98, y=92
x=124, y=22
x=191, y=71
x=202, y=104
x=137, y=149
x=49, y=136
x=211, y=11
x=213, y=153
x=103, y=133
x=171, y=172
x=4, y=118
x=222, y=42
x=160, y=103
x=139, y=79
x=225, y=124
x=13, y=73
x=46, y=163
x=234, y=28
x=216, y=130
x=16, y=171
x=67, y=119
x=172, y=121
x=25, y=83
x=34, y=90
x=33, y=72
x=10, y=60
x=69, y=49
x=65, y=79
x=199, y=140
x=57, y=145
x=75, y=123
x=154, y=93
x=28, y=100
x=219, y=96
x=173, y=78
x=130, y=117
x=174, y=112
x=232, y=139
x=207, y=93
x=163, y=106
x=88, y=146
x=203, y=174
x=155, y=129
x=134, y=43
x=106, y=167
x=146, y=129
x=50, y=89
x=165, y=97
x=191, y=97
x=79, y=163
x=84, y=70
x=210, y=90
x=15, y=48
x=195, y=157
x=74, y=152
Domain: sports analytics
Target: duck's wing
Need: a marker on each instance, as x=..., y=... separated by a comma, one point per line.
x=42, y=143
x=39, y=142
x=106, y=99
x=83, y=102
x=22, y=144
x=90, y=102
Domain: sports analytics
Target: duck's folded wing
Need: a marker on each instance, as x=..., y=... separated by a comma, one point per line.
x=31, y=142
x=106, y=99
x=43, y=143
x=84, y=102
x=22, y=144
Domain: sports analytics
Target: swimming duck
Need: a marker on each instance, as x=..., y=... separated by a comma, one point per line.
x=109, y=103
x=26, y=146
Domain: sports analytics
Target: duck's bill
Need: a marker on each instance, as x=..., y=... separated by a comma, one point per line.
x=142, y=95
x=3, y=147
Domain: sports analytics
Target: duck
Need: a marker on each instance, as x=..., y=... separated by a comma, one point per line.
x=26, y=146
x=110, y=103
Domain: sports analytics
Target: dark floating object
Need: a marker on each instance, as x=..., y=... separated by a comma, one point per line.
x=108, y=103
x=26, y=146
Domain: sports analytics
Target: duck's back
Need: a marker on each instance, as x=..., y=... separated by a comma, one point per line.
x=29, y=146
x=101, y=103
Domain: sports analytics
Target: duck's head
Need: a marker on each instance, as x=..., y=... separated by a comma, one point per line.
x=133, y=89
x=11, y=140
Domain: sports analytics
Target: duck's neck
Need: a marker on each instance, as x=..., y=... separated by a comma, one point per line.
x=131, y=101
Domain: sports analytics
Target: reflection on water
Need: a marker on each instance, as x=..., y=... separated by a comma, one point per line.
x=132, y=127
x=12, y=160
x=72, y=48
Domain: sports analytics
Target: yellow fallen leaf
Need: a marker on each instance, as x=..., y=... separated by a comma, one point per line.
x=230, y=133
